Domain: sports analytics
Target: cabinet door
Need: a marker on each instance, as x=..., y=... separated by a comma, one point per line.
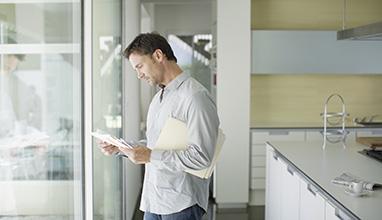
x=330, y=212
x=273, y=189
x=290, y=193
x=333, y=213
x=312, y=204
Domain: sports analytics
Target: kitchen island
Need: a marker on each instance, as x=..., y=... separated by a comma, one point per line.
x=297, y=169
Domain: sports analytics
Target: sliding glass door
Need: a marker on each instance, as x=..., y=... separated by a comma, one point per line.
x=107, y=105
x=40, y=110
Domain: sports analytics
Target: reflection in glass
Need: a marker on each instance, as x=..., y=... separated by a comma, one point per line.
x=193, y=54
x=107, y=106
x=40, y=111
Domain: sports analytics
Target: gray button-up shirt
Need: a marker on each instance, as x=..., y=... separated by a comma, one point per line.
x=167, y=188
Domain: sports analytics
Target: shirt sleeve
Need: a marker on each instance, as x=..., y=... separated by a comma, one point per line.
x=202, y=127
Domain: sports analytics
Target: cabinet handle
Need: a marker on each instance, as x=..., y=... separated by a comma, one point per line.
x=312, y=189
x=337, y=214
x=278, y=132
x=290, y=170
x=275, y=156
x=376, y=132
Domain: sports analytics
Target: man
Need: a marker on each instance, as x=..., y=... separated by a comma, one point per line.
x=168, y=191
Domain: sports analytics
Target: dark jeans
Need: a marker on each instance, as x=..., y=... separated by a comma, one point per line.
x=191, y=213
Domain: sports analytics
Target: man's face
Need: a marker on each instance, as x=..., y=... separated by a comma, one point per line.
x=148, y=68
x=10, y=64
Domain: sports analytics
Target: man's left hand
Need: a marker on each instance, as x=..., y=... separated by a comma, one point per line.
x=138, y=154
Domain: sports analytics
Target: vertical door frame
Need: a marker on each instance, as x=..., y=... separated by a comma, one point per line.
x=87, y=108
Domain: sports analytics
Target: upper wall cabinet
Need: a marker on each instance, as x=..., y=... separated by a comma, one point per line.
x=298, y=52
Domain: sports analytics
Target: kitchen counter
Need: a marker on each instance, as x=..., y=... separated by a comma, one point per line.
x=321, y=166
x=300, y=125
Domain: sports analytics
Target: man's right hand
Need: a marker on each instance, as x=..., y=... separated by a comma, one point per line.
x=108, y=149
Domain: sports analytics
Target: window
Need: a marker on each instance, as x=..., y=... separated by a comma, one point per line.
x=40, y=110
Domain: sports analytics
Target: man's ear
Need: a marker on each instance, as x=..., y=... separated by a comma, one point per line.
x=158, y=55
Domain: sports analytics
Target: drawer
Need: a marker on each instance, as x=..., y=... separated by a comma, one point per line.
x=260, y=137
x=314, y=136
x=258, y=172
x=370, y=133
x=258, y=183
x=317, y=136
x=258, y=149
x=258, y=161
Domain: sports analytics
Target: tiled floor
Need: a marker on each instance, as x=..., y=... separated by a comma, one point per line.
x=251, y=213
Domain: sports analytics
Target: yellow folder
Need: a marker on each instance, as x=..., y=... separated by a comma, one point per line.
x=173, y=136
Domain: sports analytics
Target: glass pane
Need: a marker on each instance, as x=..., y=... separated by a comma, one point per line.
x=193, y=54
x=40, y=110
x=107, y=105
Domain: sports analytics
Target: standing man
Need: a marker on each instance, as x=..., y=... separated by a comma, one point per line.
x=168, y=191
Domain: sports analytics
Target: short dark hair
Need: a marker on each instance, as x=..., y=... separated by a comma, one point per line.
x=147, y=43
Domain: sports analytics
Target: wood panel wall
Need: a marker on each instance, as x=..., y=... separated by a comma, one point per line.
x=313, y=14
x=293, y=100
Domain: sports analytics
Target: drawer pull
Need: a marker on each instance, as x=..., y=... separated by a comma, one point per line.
x=338, y=214
x=312, y=189
x=290, y=170
x=376, y=132
x=278, y=132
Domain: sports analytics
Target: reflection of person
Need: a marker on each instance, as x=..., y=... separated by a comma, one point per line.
x=22, y=102
x=168, y=191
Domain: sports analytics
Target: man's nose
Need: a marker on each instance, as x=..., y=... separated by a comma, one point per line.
x=140, y=75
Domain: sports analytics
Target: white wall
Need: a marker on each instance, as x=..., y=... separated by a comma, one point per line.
x=233, y=98
x=191, y=18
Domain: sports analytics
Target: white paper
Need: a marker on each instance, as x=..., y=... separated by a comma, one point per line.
x=118, y=142
x=173, y=136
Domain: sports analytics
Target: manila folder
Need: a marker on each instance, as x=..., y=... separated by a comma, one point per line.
x=173, y=136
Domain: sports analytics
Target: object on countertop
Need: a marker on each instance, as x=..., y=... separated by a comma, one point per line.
x=374, y=121
x=333, y=135
x=346, y=179
x=372, y=142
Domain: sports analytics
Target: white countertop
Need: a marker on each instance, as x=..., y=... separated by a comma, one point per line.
x=321, y=166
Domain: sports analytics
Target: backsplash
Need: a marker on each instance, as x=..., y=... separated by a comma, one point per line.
x=290, y=100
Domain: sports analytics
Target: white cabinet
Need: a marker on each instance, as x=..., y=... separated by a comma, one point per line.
x=258, y=164
x=283, y=189
x=290, y=192
x=273, y=193
x=316, y=135
x=369, y=133
x=312, y=204
x=278, y=52
x=291, y=196
x=330, y=212
x=333, y=213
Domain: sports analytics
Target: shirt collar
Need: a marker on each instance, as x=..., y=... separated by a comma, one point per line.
x=175, y=83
